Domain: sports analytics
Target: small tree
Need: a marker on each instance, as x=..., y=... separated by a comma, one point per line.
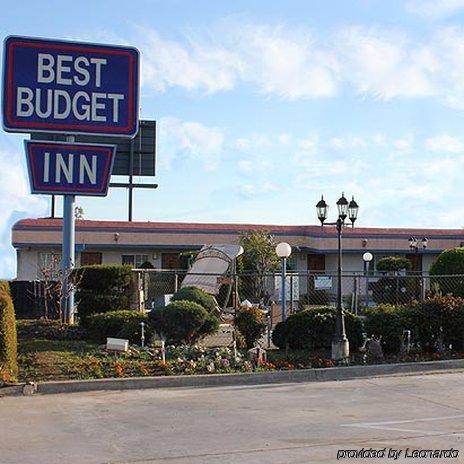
x=259, y=258
x=251, y=323
x=52, y=276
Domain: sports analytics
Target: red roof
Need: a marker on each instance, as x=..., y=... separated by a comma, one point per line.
x=48, y=223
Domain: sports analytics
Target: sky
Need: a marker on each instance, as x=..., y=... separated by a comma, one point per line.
x=264, y=105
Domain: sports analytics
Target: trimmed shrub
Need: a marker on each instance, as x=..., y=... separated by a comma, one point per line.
x=183, y=322
x=449, y=262
x=8, y=339
x=393, y=263
x=387, y=323
x=314, y=328
x=5, y=287
x=251, y=323
x=197, y=295
x=119, y=324
x=103, y=288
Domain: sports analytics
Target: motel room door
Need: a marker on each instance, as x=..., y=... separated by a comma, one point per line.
x=88, y=258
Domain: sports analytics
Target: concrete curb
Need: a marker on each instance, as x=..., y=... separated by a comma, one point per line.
x=259, y=378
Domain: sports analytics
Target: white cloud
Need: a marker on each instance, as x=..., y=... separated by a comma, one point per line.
x=435, y=9
x=14, y=198
x=383, y=64
x=296, y=63
x=204, y=67
x=404, y=144
x=258, y=188
x=179, y=139
x=287, y=63
x=444, y=143
x=253, y=142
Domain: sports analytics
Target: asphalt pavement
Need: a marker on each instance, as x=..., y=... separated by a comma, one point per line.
x=271, y=424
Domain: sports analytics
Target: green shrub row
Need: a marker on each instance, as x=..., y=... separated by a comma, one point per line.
x=103, y=288
x=313, y=329
x=8, y=339
x=437, y=320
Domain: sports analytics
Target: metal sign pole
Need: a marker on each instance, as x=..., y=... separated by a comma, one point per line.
x=68, y=254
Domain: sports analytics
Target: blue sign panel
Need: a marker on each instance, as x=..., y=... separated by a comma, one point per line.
x=69, y=168
x=70, y=87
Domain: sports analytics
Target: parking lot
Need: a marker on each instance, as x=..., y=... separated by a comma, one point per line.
x=292, y=423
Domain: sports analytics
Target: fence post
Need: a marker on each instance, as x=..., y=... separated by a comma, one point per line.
x=176, y=282
x=291, y=294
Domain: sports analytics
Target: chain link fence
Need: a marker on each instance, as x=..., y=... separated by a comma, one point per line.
x=359, y=290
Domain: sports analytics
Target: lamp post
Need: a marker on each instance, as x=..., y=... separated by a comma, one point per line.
x=414, y=243
x=340, y=344
x=283, y=251
x=367, y=258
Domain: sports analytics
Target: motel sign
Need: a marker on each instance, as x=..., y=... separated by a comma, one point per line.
x=70, y=87
x=68, y=167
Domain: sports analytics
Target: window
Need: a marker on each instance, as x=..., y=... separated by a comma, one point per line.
x=49, y=265
x=134, y=260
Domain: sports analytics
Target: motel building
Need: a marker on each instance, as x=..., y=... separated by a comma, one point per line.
x=314, y=249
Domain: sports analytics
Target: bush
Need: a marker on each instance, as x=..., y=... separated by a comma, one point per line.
x=119, y=324
x=103, y=288
x=8, y=339
x=314, y=328
x=437, y=319
x=251, y=323
x=386, y=322
x=183, y=322
x=449, y=262
x=5, y=287
x=393, y=263
x=197, y=295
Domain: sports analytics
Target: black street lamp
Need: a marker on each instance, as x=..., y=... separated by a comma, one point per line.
x=414, y=243
x=340, y=344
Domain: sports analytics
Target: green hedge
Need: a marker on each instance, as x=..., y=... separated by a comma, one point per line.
x=119, y=324
x=314, y=328
x=183, y=322
x=103, y=288
x=8, y=339
x=5, y=287
x=435, y=318
x=197, y=295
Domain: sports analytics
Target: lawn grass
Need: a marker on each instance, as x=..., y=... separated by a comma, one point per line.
x=43, y=359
